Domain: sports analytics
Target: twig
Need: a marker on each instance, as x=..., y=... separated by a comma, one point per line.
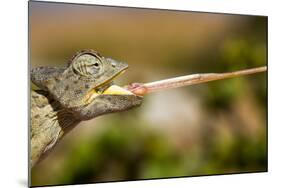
x=145, y=88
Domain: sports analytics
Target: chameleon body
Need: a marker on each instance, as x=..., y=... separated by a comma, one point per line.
x=81, y=90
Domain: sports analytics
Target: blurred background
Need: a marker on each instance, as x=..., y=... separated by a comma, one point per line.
x=218, y=127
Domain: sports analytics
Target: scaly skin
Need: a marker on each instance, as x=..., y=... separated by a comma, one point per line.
x=70, y=95
x=49, y=122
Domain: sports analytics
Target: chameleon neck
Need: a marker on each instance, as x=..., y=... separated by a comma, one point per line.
x=49, y=122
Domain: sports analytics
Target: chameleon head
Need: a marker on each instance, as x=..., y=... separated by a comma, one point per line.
x=87, y=77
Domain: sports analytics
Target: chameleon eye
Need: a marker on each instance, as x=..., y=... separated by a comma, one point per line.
x=96, y=64
x=87, y=65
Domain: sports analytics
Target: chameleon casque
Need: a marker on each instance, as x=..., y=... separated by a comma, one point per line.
x=81, y=90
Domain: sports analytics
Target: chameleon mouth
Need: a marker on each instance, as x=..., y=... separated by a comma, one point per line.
x=116, y=90
x=105, y=85
x=107, y=88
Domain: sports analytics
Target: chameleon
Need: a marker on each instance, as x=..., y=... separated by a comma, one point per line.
x=81, y=90
x=84, y=89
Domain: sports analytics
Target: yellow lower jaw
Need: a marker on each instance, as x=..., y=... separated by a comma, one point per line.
x=112, y=90
x=116, y=90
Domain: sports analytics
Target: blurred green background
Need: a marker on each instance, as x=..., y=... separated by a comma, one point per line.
x=213, y=128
